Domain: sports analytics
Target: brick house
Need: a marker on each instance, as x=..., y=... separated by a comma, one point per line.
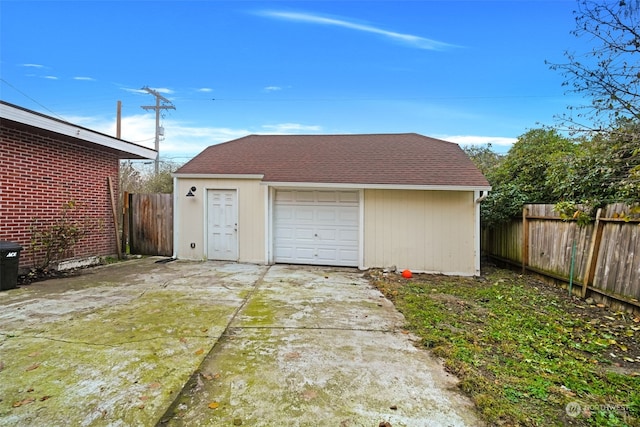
x=47, y=164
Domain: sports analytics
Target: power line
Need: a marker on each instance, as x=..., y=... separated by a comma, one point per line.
x=32, y=99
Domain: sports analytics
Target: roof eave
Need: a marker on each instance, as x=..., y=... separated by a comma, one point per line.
x=126, y=150
x=438, y=187
x=216, y=176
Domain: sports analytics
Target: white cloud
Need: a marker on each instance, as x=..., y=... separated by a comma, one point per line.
x=499, y=141
x=180, y=141
x=163, y=90
x=51, y=77
x=33, y=65
x=272, y=88
x=285, y=128
x=410, y=39
x=88, y=79
x=205, y=89
x=131, y=90
x=142, y=91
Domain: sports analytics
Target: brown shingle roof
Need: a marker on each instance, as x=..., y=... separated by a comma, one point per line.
x=394, y=159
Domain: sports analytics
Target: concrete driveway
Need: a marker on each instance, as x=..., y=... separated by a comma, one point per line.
x=142, y=343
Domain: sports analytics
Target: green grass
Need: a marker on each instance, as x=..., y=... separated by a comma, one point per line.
x=524, y=350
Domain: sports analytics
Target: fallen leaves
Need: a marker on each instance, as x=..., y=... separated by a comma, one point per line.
x=213, y=405
x=23, y=402
x=32, y=367
x=309, y=394
x=292, y=355
x=29, y=400
x=209, y=377
x=199, y=351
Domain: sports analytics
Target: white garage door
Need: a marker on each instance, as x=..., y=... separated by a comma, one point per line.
x=316, y=227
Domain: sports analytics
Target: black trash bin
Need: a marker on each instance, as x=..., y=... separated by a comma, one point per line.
x=9, y=260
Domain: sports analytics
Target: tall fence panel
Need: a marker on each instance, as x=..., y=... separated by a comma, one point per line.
x=150, y=224
x=605, y=254
x=504, y=241
x=618, y=268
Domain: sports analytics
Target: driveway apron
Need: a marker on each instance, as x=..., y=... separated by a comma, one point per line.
x=319, y=346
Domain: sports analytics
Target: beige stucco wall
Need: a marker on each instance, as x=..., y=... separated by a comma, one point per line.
x=427, y=231
x=191, y=217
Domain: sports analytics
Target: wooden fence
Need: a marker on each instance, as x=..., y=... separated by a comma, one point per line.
x=605, y=254
x=149, y=223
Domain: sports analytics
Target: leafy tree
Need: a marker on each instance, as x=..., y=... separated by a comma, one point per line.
x=523, y=175
x=608, y=75
x=140, y=178
x=602, y=169
x=483, y=157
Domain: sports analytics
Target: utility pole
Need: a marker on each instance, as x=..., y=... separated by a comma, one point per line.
x=167, y=105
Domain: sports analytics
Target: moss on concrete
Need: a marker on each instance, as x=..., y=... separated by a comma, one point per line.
x=114, y=366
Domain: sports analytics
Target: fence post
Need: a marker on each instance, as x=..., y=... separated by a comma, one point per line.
x=592, y=256
x=114, y=211
x=525, y=239
x=125, y=221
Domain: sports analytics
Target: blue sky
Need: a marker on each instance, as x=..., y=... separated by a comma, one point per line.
x=470, y=72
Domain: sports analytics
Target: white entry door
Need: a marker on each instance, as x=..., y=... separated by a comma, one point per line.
x=222, y=230
x=316, y=227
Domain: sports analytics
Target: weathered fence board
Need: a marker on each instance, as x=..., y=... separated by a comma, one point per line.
x=151, y=224
x=607, y=252
x=504, y=241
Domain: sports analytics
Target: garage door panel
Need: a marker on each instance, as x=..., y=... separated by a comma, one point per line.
x=304, y=235
x=326, y=255
x=301, y=255
x=349, y=255
x=285, y=235
x=326, y=215
x=285, y=214
x=304, y=196
x=349, y=236
x=316, y=227
x=303, y=213
x=327, y=196
x=349, y=216
x=348, y=197
x=327, y=235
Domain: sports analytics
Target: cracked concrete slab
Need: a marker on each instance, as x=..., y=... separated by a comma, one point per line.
x=115, y=345
x=210, y=343
x=319, y=346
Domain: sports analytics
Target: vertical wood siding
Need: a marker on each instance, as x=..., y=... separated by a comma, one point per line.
x=430, y=231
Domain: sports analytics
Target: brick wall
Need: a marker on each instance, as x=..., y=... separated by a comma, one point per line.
x=40, y=173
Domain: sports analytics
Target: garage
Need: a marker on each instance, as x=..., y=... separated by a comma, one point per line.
x=364, y=201
x=316, y=227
